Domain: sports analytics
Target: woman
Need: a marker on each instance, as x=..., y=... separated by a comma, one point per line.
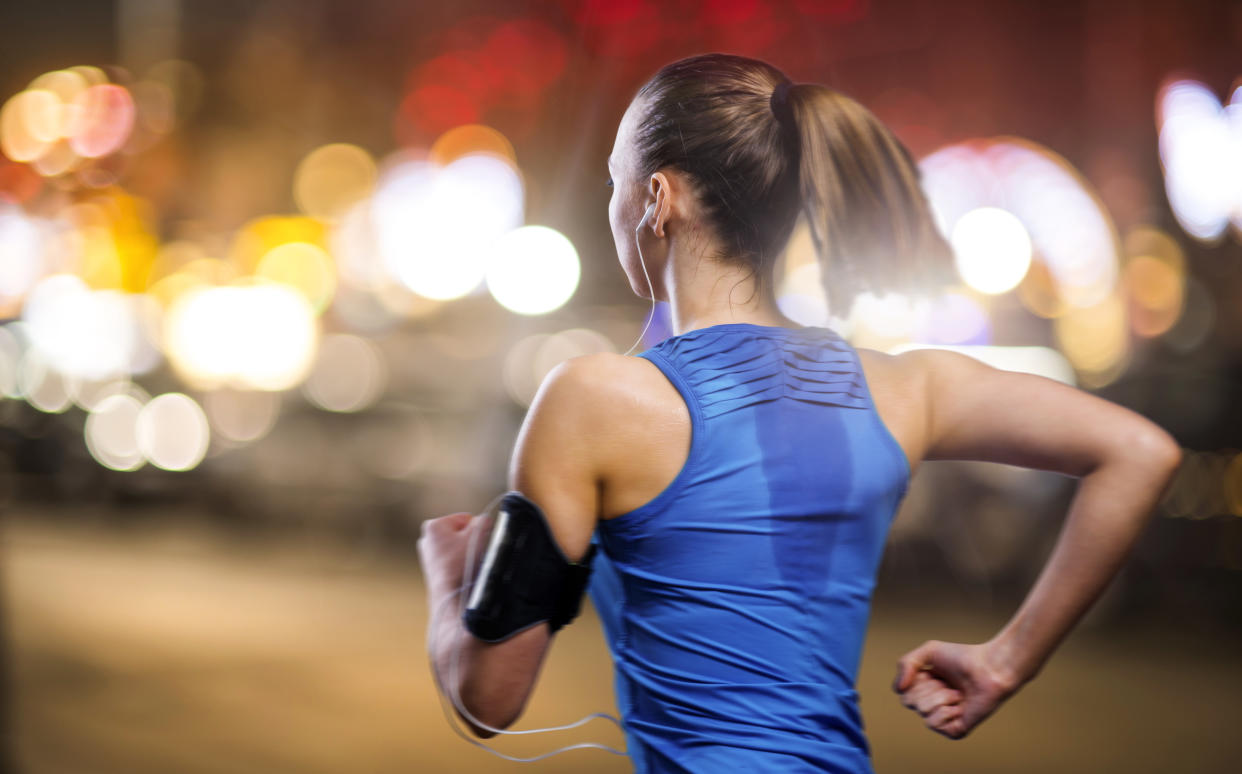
x=739, y=477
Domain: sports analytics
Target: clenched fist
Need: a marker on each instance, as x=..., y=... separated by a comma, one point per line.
x=952, y=686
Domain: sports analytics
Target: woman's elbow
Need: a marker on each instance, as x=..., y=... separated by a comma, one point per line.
x=1149, y=448
x=487, y=713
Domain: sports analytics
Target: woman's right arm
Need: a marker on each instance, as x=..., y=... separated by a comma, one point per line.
x=1124, y=461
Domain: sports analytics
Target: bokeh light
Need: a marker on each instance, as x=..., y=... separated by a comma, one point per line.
x=1201, y=152
x=84, y=333
x=112, y=433
x=242, y=416
x=332, y=178
x=304, y=267
x=349, y=374
x=260, y=336
x=991, y=248
x=21, y=253
x=530, y=360
x=172, y=432
x=437, y=226
x=534, y=271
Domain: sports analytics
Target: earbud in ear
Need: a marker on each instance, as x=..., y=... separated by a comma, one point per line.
x=647, y=215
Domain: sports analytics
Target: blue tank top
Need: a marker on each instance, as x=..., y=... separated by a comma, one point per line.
x=735, y=603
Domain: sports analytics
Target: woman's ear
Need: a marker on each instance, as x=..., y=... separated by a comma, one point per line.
x=662, y=192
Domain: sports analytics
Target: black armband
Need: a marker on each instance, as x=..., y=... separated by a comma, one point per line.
x=524, y=579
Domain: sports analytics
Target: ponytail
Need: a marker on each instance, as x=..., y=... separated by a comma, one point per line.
x=869, y=219
x=760, y=149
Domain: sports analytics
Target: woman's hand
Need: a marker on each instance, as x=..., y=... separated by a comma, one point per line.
x=442, y=551
x=952, y=686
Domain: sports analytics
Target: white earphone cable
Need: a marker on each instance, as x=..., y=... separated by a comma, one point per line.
x=643, y=263
x=449, y=688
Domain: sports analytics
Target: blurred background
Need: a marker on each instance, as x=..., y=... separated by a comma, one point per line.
x=279, y=279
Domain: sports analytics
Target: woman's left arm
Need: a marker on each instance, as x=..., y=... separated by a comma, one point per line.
x=554, y=465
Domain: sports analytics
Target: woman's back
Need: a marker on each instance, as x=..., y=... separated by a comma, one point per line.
x=736, y=600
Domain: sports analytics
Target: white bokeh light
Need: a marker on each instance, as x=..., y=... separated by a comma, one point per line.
x=437, y=226
x=84, y=333
x=172, y=432
x=992, y=249
x=259, y=336
x=112, y=433
x=1201, y=150
x=21, y=252
x=535, y=270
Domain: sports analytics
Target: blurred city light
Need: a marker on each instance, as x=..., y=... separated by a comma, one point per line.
x=172, y=432
x=242, y=416
x=349, y=374
x=992, y=249
x=1201, y=152
x=332, y=178
x=259, y=336
x=112, y=433
x=534, y=270
x=437, y=226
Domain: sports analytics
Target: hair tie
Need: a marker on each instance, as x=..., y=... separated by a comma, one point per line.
x=780, y=100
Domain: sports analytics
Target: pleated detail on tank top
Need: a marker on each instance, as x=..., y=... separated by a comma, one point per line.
x=734, y=365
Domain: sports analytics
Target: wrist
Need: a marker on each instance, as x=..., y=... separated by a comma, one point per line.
x=1004, y=663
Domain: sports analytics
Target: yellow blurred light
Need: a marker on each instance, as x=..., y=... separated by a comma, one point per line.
x=1039, y=293
x=332, y=178
x=242, y=416
x=25, y=119
x=1155, y=290
x=1149, y=240
x=100, y=265
x=172, y=432
x=1095, y=339
x=58, y=159
x=168, y=289
x=304, y=267
x=992, y=249
x=261, y=336
x=349, y=374
x=471, y=138
x=42, y=115
x=65, y=84
x=112, y=433
x=91, y=74
x=171, y=256
x=535, y=270
x=257, y=238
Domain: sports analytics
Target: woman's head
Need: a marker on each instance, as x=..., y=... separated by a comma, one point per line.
x=747, y=165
